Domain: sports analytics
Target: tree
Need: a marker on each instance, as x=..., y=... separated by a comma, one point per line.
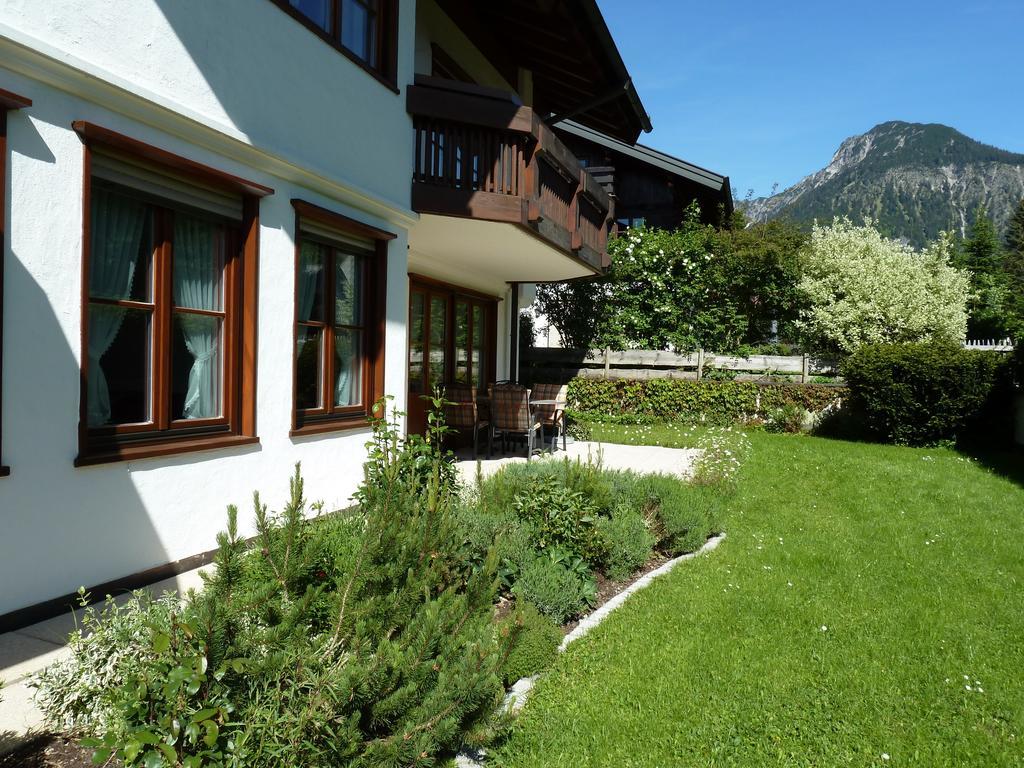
x=693, y=287
x=862, y=288
x=981, y=254
x=1013, y=268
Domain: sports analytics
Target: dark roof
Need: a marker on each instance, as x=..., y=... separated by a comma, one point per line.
x=673, y=165
x=577, y=69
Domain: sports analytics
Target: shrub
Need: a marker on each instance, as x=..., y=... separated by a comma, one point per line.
x=790, y=418
x=556, y=586
x=79, y=693
x=709, y=402
x=863, y=288
x=921, y=394
x=629, y=541
x=685, y=514
x=689, y=518
x=561, y=518
x=536, y=645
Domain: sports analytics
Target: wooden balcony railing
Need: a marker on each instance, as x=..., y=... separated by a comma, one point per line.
x=480, y=154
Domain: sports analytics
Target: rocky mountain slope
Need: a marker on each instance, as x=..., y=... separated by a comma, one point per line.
x=913, y=179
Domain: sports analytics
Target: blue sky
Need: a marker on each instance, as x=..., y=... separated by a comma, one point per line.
x=765, y=90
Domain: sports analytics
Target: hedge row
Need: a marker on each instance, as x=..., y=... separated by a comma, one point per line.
x=707, y=401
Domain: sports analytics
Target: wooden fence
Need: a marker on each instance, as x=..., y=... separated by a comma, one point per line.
x=563, y=364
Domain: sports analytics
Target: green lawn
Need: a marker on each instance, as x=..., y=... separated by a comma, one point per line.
x=860, y=591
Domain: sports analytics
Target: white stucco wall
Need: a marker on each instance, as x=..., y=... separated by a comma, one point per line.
x=233, y=96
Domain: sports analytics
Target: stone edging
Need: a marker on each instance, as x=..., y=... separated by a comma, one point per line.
x=517, y=696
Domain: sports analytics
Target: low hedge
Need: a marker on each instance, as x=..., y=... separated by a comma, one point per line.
x=928, y=393
x=717, y=402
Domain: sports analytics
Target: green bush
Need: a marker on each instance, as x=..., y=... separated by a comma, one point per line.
x=629, y=541
x=79, y=694
x=557, y=586
x=712, y=402
x=687, y=514
x=927, y=393
x=561, y=517
x=790, y=419
x=536, y=645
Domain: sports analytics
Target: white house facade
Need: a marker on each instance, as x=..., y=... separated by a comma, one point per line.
x=229, y=228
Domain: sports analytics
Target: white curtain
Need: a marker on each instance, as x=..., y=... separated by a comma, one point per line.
x=115, y=238
x=196, y=285
x=346, y=310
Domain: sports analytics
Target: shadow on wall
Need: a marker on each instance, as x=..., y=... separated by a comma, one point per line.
x=62, y=527
x=315, y=120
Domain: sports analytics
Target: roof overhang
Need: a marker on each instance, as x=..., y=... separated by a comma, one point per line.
x=577, y=69
x=674, y=165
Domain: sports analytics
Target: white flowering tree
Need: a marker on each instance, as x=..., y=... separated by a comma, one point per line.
x=863, y=288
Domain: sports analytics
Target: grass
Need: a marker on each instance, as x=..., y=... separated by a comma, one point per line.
x=861, y=590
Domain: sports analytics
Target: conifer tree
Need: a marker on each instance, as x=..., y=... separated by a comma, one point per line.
x=1013, y=267
x=982, y=255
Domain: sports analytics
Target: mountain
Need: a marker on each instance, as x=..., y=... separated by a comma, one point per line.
x=913, y=179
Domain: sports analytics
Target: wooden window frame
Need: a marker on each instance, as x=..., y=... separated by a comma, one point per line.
x=8, y=101
x=386, y=69
x=237, y=426
x=328, y=417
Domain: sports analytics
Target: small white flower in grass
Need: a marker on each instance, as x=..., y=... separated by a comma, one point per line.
x=967, y=687
x=824, y=628
x=885, y=755
x=789, y=583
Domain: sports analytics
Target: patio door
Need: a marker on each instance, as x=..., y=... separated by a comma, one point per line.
x=451, y=341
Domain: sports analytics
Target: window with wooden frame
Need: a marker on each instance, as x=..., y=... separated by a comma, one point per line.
x=365, y=31
x=168, y=303
x=8, y=101
x=340, y=277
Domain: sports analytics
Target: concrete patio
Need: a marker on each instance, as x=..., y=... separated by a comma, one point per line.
x=648, y=459
x=26, y=651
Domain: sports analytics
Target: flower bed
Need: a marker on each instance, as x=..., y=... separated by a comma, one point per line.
x=370, y=637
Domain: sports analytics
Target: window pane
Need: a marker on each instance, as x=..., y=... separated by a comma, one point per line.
x=479, y=338
x=317, y=11
x=198, y=256
x=348, y=289
x=119, y=366
x=461, y=342
x=438, y=321
x=121, y=247
x=357, y=31
x=309, y=373
x=196, y=367
x=347, y=367
x=416, y=342
x=310, y=287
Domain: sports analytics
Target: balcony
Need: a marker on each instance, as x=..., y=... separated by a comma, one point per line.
x=481, y=155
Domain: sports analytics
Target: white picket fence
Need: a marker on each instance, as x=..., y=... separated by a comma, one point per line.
x=989, y=345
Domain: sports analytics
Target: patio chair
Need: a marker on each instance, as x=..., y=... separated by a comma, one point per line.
x=552, y=417
x=511, y=415
x=461, y=412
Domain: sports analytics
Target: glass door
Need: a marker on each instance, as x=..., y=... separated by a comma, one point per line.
x=428, y=350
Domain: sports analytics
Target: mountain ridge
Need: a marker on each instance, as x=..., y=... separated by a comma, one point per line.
x=913, y=179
